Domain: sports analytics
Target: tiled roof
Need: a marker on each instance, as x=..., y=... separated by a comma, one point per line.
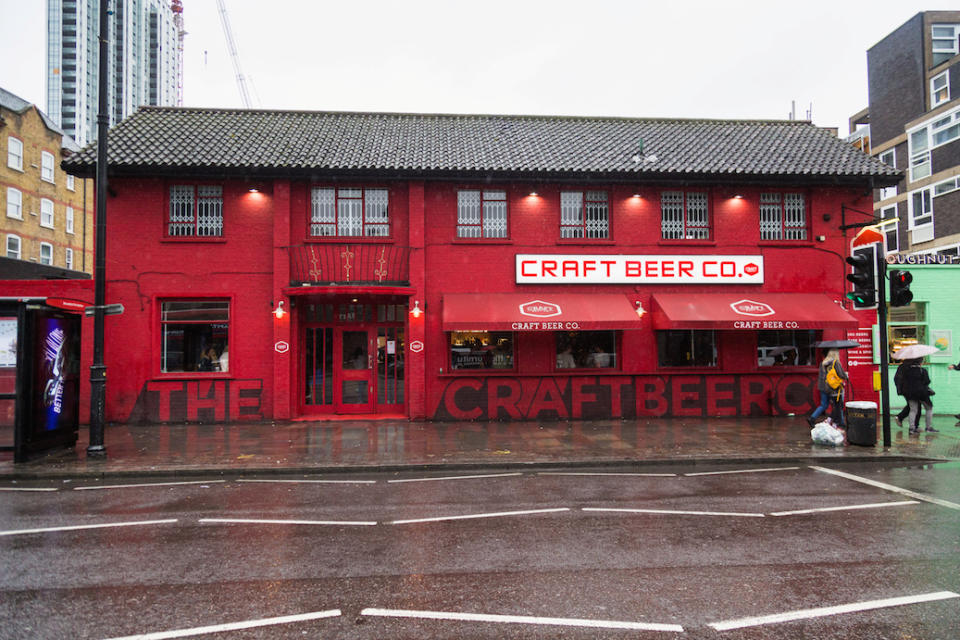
x=210, y=140
x=17, y=104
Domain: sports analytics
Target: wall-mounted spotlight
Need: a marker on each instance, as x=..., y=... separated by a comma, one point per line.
x=533, y=194
x=416, y=312
x=253, y=190
x=279, y=312
x=640, y=310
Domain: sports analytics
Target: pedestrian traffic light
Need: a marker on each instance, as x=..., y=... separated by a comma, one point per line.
x=900, y=294
x=863, y=277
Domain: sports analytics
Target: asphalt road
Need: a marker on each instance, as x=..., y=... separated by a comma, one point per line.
x=656, y=552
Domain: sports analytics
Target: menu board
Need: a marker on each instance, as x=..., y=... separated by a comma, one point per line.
x=862, y=355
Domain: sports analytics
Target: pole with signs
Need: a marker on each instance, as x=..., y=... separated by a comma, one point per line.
x=98, y=371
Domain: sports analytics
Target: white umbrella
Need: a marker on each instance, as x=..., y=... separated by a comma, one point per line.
x=914, y=351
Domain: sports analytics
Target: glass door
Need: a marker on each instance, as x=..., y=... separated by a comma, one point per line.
x=353, y=392
x=318, y=369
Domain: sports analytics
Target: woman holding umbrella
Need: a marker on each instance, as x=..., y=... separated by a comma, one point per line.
x=916, y=389
x=830, y=395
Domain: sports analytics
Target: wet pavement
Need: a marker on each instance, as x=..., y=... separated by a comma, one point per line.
x=393, y=444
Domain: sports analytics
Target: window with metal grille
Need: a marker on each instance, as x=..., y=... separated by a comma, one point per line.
x=482, y=214
x=783, y=216
x=195, y=211
x=684, y=215
x=349, y=212
x=584, y=214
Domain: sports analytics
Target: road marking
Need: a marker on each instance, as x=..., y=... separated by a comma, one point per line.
x=890, y=487
x=875, y=505
x=683, y=513
x=803, y=614
x=85, y=526
x=487, y=617
x=232, y=626
x=26, y=489
x=493, y=475
x=315, y=481
x=145, y=484
x=585, y=473
x=717, y=473
x=346, y=523
x=482, y=515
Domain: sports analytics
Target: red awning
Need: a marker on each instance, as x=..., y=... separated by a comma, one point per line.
x=749, y=311
x=538, y=312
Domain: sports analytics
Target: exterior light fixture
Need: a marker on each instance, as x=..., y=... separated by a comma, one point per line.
x=636, y=195
x=533, y=194
x=279, y=312
x=416, y=312
x=640, y=310
x=253, y=190
x=737, y=196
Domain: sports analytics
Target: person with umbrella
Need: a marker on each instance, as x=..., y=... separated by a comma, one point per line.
x=955, y=367
x=916, y=389
x=830, y=384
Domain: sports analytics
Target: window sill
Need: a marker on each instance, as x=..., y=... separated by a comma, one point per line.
x=20, y=169
x=586, y=241
x=195, y=239
x=482, y=241
x=686, y=243
x=193, y=375
x=350, y=240
x=786, y=243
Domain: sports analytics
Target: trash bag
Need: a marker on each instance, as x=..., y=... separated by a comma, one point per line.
x=827, y=433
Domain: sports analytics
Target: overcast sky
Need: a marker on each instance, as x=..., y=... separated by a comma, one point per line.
x=635, y=58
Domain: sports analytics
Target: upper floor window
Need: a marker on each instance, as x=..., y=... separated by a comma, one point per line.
x=921, y=208
x=46, y=166
x=944, y=39
x=46, y=213
x=892, y=228
x=584, y=214
x=68, y=258
x=46, y=253
x=14, y=153
x=684, y=215
x=919, y=154
x=783, y=216
x=889, y=158
x=70, y=183
x=195, y=210
x=13, y=247
x=14, y=203
x=69, y=220
x=939, y=89
x=482, y=214
x=349, y=212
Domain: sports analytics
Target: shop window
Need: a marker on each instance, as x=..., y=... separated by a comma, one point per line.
x=194, y=335
x=481, y=350
x=481, y=214
x=587, y=350
x=787, y=348
x=14, y=153
x=684, y=215
x=349, y=212
x=686, y=348
x=783, y=216
x=46, y=166
x=195, y=211
x=906, y=326
x=584, y=214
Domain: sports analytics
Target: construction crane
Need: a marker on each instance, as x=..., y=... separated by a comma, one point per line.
x=176, y=6
x=234, y=56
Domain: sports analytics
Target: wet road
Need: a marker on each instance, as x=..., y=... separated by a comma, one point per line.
x=739, y=551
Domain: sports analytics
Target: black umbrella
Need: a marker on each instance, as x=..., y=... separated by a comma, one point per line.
x=836, y=344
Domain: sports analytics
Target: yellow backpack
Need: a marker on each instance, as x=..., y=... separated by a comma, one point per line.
x=834, y=381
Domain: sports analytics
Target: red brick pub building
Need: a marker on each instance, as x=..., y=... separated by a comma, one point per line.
x=281, y=264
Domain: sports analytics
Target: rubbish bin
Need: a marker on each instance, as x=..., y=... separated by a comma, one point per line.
x=862, y=423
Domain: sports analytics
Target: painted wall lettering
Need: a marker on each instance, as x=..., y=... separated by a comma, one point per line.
x=198, y=401
x=586, y=397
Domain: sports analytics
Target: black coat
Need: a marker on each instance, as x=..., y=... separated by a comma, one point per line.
x=916, y=383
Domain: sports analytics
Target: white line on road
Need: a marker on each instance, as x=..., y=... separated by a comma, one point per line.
x=146, y=484
x=85, y=526
x=232, y=626
x=718, y=473
x=346, y=523
x=682, y=513
x=27, y=489
x=486, y=617
x=493, y=475
x=585, y=473
x=314, y=481
x=890, y=487
x=875, y=505
x=819, y=612
x=482, y=515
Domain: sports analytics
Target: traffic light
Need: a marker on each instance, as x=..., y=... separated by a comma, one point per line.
x=863, y=277
x=900, y=294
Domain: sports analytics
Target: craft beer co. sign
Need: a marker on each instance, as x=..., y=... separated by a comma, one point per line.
x=636, y=269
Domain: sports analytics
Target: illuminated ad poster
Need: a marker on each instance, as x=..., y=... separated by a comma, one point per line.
x=8, y=342
x=55, y=373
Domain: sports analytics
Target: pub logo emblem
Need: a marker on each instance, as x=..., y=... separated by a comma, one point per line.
x=750, y=308
x=751, y=269
x=416, y=346
x=540, y=309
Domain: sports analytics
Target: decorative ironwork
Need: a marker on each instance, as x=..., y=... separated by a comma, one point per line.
x=356, y=264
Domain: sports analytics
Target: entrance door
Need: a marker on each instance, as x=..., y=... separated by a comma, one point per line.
x=353, y=387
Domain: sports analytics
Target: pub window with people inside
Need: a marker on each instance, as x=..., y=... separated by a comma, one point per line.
x=586, y=350
x=194, y=336
x=481, y=350
x=686, y=348
x=787, y=348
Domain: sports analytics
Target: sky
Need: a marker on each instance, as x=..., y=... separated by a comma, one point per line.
x=737, y=59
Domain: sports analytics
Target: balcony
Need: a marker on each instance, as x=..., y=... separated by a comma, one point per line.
x=353, y=264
